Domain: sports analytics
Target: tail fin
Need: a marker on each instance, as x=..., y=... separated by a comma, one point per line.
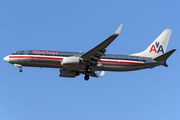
x=158, y=47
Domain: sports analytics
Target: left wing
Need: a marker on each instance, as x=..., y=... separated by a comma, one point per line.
x=96, y=53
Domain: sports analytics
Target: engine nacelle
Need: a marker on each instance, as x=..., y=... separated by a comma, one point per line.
x=68, y=73
x=70, y=61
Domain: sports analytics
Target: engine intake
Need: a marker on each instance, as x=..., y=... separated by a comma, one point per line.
x=68, y=73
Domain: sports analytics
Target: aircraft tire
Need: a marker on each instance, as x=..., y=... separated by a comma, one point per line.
x=20, y=70
x=86, y=77
x=88, y=70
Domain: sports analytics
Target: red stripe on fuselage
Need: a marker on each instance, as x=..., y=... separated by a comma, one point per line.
x=36, y=57
x=124, y=62
x=107, y=61
x=134, y=63
x=56, y=58
x=16, y=56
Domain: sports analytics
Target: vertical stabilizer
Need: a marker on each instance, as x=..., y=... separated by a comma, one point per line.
x=158, y=47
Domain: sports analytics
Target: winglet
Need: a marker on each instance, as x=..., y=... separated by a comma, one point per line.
x=118, y=30
x=102, y=74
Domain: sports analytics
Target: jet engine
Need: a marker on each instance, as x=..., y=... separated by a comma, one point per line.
x=68, y=73
x=71, y=61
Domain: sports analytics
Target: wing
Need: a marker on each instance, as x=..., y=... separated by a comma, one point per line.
x=96, y=53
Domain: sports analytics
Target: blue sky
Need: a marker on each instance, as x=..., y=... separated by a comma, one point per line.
x=79, y=26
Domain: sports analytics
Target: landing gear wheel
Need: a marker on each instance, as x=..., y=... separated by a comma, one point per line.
x=88, y=70
x=20, y=70
x=86, y=77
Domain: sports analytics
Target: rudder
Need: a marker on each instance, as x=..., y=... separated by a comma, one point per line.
x=158, y=46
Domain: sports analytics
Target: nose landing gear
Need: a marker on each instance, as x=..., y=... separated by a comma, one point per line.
x=20, y=70
x=19, y=66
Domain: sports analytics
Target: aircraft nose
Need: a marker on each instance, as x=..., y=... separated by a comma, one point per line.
x=6, y=58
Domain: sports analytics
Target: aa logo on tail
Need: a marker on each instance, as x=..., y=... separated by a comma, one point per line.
x=156, y=48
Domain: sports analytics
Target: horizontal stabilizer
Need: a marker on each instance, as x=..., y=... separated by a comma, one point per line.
x=164, y=56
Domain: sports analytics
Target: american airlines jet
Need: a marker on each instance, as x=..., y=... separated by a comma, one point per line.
x=72, y=64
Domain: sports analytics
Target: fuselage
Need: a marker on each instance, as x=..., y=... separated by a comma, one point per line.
x=53, y=59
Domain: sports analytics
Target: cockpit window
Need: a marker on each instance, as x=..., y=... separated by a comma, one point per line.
x=15, y=53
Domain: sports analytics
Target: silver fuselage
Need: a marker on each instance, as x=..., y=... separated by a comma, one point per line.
x=53, y=59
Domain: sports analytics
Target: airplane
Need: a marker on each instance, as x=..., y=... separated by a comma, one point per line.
x=72, y=64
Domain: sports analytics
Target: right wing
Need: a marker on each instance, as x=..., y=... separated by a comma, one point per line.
x=96, y=53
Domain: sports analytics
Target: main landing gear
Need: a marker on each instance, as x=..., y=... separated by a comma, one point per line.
x=87, y=70
x=86, y=77
x=19, y=66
